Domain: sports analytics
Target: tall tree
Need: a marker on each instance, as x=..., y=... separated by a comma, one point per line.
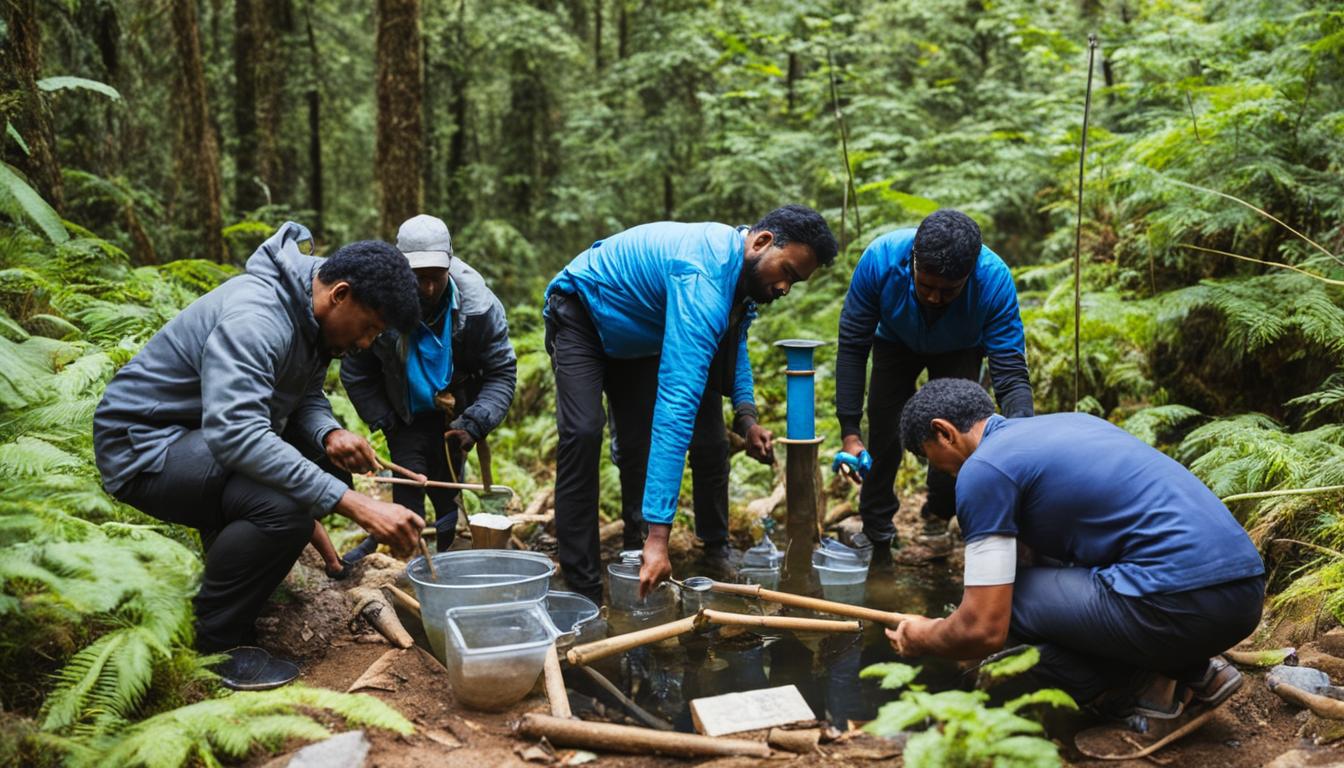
x=197, y=201
x=277, y=164
x=314, y=99
x=247, y=194
x=23, y=105
x=400, y=149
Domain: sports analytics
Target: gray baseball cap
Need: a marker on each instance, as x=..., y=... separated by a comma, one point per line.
x=425, y=242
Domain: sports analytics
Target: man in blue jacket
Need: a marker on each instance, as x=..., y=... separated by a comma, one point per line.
x=1135, y=577
x=219, y=422
x=642, y=315
x=932, y=298
x=452, y=378
x=708, y=456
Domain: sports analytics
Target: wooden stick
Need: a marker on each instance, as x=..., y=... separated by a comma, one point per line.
x=651, y=720
x=402, y=599
x=780, y=622
x=555, y=684
x=801, y=742
x=1322, y=706
x=477, y=487
x=384, y=619
x=632, y=740
x=429, y=559
x=601, y=649
x=886, y=618
x=404, y=472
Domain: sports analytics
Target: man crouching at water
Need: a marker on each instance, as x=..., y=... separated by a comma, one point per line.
x=190, y=430
x=1138, y=575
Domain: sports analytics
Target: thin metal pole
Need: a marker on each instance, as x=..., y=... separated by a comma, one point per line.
x=1078, y=233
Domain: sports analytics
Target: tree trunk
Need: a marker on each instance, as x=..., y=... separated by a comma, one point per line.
x=197, y=203
x=456, y=195
x=246, y=192
x=314, y=97
x=400, y=143
x=597, y=34
x=20, y=67
x=622, y=29
x=277, y=165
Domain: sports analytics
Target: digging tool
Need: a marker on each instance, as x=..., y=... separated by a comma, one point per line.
x=601, y=649
x=885, y=618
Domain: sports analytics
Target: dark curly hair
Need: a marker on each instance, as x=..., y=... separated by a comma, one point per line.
x=947, y=244
x=800, y=224
x=960, y=401
x=380, y=278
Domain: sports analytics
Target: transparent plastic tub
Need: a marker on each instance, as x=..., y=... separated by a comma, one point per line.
x=768, y=578
x=835, y=553
x=495, y=653
x=577, y=618
x=836, y=571
x=623, y=584
x=475, y=577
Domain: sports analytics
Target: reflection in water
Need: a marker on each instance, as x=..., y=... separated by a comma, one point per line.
x=824, y=667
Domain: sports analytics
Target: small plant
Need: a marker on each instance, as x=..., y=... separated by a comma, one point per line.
x=961, y=730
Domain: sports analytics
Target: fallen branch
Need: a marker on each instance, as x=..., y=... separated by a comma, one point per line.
x=1322, y=706
x=402, y=600
x=800, y=742
x=587, y=653
x=840, y=512
x=649, y=719
x=763, y=508
x=634, y=741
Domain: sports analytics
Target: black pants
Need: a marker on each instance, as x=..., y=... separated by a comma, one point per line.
x=709, y=451
x=1093, y=640
x=583, y=372
x=252, y=535
x=891, y=384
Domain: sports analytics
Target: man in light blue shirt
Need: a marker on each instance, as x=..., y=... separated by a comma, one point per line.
x=672, y=292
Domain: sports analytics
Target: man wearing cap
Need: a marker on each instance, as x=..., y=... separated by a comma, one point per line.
x=931, y=298
x=438, y=391
x=643, y=315
x=220, y=423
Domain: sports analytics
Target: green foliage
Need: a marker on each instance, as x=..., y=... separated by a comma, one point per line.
x=67, y=82
x=16, y=191
x=960, y=729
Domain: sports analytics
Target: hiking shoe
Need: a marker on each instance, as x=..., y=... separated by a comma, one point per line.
x=1219, y=682
x=249, y=668
x=718, y=561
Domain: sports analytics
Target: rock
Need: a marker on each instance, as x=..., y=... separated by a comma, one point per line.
x=1293, y=758
x=1322, y=730
x=345, y=750
x=1331, y=642
x=1302, y=678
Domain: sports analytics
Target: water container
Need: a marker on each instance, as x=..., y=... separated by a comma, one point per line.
x=495, y=653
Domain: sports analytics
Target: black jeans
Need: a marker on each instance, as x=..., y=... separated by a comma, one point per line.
x=709, y=453
x=1093, y=640
x=583, y=371
x=419, y=447
x=891, y=384
x=252, y=534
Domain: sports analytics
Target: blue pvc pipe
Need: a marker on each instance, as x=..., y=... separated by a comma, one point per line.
x=802, y=415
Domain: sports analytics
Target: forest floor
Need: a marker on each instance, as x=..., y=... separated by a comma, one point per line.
x=312, y=623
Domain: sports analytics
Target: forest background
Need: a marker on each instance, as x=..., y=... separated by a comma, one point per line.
x=150, y=145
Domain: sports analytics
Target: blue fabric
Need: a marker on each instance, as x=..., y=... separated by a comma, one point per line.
x=882, y=294
x=429, y=359
x=1080, y=491
x=664, y=288
x=744, y=384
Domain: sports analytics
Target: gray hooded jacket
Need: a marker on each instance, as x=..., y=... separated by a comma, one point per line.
x=485, y=368
x=241, y=364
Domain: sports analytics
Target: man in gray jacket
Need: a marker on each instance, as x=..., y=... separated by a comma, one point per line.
x=190, y=430
x=450, y=380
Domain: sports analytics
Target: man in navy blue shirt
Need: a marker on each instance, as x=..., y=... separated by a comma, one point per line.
x=643, y=315
x=932, y=298
x=1138, y=575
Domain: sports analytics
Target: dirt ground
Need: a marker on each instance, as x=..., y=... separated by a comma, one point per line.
x=312, y=621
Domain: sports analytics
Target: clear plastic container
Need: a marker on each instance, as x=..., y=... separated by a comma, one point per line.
x=623, y=584
x=766, y=577
x=832, y=570
x=495, y=652
x=475, y=577
x=577, y=618
x=835, y=553
x=764, y=555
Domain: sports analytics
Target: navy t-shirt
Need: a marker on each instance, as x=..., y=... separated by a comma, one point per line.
x=1081, y=491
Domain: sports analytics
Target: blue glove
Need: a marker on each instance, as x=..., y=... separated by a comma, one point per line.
x=860, y=465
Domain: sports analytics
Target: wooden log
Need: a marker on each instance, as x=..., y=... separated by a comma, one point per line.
x=402, y=600
x=886, y=618
x=800, y=742
x=601, y=649
x=839, y=513
x=634, y=741
x=779, y=622
x=384, y=619
x=555, y=684
x=1322, y=706
x=649, y=719
x=803, y=488
x=540, y=502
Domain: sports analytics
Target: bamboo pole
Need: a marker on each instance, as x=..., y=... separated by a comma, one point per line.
x=555, y=684
x=477, y=487
x=632, y=740
x=601, y=649
x=780, y=622
x=886, y=618
x=402, y=599
x=416, y=476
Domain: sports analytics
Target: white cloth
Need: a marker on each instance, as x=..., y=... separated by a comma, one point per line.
x=991, y=561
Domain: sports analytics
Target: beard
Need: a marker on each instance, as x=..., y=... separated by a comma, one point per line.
x=759, y=291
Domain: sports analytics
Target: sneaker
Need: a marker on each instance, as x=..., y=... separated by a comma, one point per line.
x=1219, y=682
